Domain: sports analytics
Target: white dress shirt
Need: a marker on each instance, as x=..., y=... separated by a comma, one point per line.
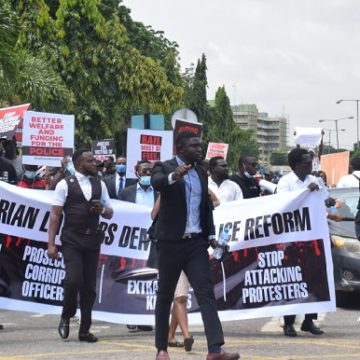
x=349, y=180
x=143, y=197
x=61, y=191
x=291, y=182
x=227, y=191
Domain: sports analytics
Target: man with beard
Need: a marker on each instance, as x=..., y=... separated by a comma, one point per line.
x=245, y=178
x=223, y=188
x=185, y=229
x=83, y=198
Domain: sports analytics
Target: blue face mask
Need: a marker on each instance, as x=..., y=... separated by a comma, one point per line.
x=30, y=174
x=70, y=168
x=145, y=180
x=120, y=168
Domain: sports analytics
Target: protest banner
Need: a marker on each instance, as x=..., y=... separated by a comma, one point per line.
x=280, y=261
x=47, y=138
x=103, y=149
x=10, y=118
x=152, y=145
x=216, y=149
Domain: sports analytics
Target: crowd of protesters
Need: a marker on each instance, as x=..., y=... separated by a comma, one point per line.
x=221, y=186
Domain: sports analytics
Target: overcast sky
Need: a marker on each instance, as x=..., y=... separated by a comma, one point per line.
x=289, y=57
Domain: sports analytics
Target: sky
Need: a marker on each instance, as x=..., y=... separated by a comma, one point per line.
x=292, y=58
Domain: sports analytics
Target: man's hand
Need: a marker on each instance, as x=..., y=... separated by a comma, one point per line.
x=181, y=171
x=313, y=187
x=96, y=207
x=334, y=217
x=53, y=252
x=214, y=244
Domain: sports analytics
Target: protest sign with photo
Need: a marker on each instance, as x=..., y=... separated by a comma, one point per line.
x=47, y=138
x=183, y=125
x=10, y=118
x=149, y=145
x=103, y=149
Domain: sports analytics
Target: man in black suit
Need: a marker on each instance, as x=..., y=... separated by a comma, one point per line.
x=141, y=193
x=184, y=230
x=117, y=181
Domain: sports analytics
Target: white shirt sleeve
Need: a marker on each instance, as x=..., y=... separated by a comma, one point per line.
x=105, y=198
x=60, y=193
x=283, y=186
x=238, y=193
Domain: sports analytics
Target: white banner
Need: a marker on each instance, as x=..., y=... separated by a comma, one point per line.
x=26, y=212
x=280, y=261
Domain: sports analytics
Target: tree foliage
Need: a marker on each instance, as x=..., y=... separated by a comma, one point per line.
x=218, y=122
x=279, y=158
x=82, y=59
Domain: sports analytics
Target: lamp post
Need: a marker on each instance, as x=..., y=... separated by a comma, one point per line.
x=330, y=130
x=336, y=127
x=357, y=117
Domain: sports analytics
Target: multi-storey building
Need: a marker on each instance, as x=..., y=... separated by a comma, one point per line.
x=269, y=132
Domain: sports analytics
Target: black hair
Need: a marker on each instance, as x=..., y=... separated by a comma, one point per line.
x=355, y=163
x=183, y=137
x=295, y=156
x=78, y=153
x=213, y=162
x=140, y=162
x=243, y=158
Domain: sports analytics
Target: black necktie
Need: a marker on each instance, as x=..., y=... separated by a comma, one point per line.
x=121, y=184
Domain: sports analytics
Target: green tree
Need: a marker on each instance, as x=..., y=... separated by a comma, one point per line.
x=196, y=98
x=109, y=77
x=224, y=129
x=27, y=76
x=279, y=158
x=9, y=31
x=76, y=56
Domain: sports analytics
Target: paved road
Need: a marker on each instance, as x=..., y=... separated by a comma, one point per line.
x=34, y=336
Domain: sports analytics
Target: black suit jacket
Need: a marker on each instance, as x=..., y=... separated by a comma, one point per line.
x=171, y=222
x=110, y=182
x=129, y=194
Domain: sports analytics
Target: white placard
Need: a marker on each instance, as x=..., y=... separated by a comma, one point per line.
x=47, y=138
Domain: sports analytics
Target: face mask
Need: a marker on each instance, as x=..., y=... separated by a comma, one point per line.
x=30, y=174
x=120, y=168
x=246, y=173
x=145, y=180
x=70, y=168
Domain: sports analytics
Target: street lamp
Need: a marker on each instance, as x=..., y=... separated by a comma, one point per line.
x=330, y=130
x=336, y=127
x=357, y=117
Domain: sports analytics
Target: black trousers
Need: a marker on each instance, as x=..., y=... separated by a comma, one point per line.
x=80, y=280
x=191, y=256
x=290, y=319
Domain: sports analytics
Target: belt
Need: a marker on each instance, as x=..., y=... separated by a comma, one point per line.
x=191, y=235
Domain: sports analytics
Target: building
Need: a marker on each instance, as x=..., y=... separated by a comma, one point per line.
x=269, y=132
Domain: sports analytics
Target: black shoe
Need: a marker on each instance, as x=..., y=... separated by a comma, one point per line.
x=289, y=331
x=88, y=337
x=188, y=343
x=64, y=328
x=311, y=327
x=1, y=326
x=144, y=327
